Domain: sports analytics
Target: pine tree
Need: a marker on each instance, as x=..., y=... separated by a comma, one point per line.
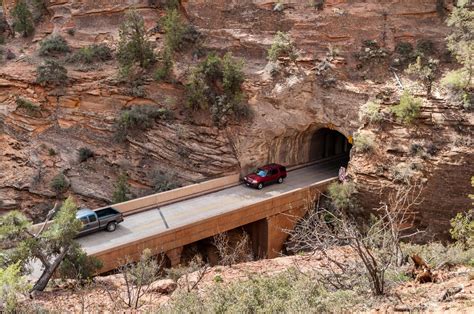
x=121, y=189
x=22, y=19
x=134, y=46
x=459, y=82
x=49, y=245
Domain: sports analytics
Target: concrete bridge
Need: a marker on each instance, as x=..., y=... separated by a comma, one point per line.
x=168, y=221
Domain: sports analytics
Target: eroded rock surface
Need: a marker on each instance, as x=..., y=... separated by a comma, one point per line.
x=289, y=101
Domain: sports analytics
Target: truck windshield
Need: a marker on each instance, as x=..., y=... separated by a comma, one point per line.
x=261, y=172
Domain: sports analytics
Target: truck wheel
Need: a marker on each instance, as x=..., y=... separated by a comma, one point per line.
x=111, y=226
x=280, y=180
x=260, y=186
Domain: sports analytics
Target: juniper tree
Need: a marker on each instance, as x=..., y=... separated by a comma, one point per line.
x=22, y=19
x=461, y=44
x=49, y=244
x=121, y=189
x=134, y=47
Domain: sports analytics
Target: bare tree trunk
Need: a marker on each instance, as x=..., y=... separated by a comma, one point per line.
x=48, y=272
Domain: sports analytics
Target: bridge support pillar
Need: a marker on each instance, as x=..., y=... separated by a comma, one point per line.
x=270, y=234
x=278, y=227
x=174, y=256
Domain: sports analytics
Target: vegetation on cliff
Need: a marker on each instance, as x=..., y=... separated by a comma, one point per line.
x=23, y=19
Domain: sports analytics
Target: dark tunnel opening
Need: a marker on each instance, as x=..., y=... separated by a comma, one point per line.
x=326, y=143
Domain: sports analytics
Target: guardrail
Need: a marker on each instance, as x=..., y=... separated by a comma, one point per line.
x=164, y=198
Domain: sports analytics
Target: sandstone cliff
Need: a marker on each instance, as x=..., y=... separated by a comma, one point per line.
x=288, y=107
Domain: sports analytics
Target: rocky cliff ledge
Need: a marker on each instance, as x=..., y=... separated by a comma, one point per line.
x=336, y=72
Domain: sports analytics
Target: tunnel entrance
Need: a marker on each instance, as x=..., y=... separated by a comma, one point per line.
x=327, y=143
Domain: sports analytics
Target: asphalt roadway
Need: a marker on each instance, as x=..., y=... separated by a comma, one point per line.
x=160, y=219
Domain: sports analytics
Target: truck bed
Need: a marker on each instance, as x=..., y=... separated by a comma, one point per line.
x=108, y=211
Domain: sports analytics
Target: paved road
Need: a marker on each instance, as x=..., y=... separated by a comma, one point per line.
x=171, y=216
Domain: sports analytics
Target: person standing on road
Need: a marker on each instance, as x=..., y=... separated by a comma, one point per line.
x=342, y=174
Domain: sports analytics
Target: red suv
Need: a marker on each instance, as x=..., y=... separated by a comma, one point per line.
x=266, y=175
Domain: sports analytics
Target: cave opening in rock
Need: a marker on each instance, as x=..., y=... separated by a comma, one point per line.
x=327, y=143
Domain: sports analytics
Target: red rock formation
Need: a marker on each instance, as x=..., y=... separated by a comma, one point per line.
x=288, y=107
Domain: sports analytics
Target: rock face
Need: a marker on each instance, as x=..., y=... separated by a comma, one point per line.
x=333, y=76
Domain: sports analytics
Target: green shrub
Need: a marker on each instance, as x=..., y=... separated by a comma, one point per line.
x=404, y=48
x=163, y=72
x=424, y=70
x=364, y=141
x=174, y=29
x=78, y=265
x=171, y=4
x=197, y=91
x=53, y=45
x=139, y=118
x=215, y=84
x=425, y=47
x=133, y=77
x=164, y=182
x=27, y=105
x=436, y=254
x=317, y=4
x=59, y=184
x=371, y=52
x=39, y=10
x=84, y=154
x=396, y=276
x=232, y=75
x=133, y=46
x=121, y=189
x=3, y=28
x=462, y=228
x=51, y=73
x=12, y=283
x=282, y=46
x=408, y=109
x=341, y=194
x=403, y=172
x=51, y=152
x=22, y=19
x=460, y=44
x=457, y=84
x=218, y=278
x=91, y=54
x=370, y=112
x=281, y=293
x=456, y=80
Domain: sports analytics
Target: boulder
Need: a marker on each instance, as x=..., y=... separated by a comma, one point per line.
x=163, y=286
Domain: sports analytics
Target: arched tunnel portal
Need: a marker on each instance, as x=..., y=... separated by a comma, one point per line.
x=298, y=147
x=326, y=143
